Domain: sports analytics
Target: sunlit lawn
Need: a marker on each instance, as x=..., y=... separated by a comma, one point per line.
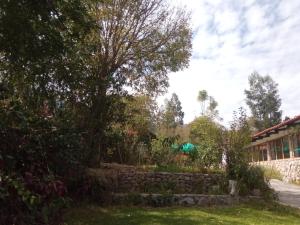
x=252, y=213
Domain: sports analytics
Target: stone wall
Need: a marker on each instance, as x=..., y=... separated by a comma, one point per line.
x=156, y=182
x=128, y=179
x=158, y=200
x=289, y=168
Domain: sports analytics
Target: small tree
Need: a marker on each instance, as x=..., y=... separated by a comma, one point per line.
x=208, y=104
x=171, y=116
x=208, y=136
x=202, y=98
x=238, y=137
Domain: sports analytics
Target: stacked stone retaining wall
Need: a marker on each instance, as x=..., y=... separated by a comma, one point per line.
x=127, y=179
x=289, y=168
x=176, y=199
x=127, y=185
x=175, y=182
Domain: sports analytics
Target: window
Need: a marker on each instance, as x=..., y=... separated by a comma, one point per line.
x=255, y=154
x=272, y=150
x=259, y=153
x=259, y=149
x=264, y=153
x=297, y=145
x=278, y=149
x=286, y=147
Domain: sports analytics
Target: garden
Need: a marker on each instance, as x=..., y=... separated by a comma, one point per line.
x=83, y=139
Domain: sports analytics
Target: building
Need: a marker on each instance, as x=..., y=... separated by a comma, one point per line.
x=278, y=147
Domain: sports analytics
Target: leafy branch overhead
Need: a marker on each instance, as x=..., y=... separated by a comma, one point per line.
x=137, y=43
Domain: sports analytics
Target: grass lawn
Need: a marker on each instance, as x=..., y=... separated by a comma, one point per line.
x=251, y=213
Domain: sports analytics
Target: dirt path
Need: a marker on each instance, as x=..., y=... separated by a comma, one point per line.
x=289, y=194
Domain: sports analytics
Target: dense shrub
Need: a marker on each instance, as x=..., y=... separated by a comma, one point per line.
x=161, y=151
x=208, y=136
x=252, y=178
x=249, y=177
x=37, y=156
x=31, y=199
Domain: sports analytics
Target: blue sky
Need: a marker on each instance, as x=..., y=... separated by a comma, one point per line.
x=233, y=38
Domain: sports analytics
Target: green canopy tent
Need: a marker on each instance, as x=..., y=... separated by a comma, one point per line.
x=184, y=148
x=188, y=148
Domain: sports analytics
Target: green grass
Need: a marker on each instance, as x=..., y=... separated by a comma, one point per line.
x=247, y=214
x=272, y=173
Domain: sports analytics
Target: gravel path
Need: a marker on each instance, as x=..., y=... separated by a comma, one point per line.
x=289, y=194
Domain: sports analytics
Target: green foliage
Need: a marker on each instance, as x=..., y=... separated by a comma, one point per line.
x=128, y=140
x=31, y=199
x=209, y=109
x=258, y=212
x=238, y=168
x=208, y=136
x=271, y=173
x=238, y=137
x=179, y=168
x=251, y=178
x=135, y=44
x=174, y=168
x=35, y=156
x=264, y=101
x=172, y=115
x=38, y=48
x=161, y=151
x=65, y=70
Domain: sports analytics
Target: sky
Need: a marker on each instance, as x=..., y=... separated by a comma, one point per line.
x=233, y=38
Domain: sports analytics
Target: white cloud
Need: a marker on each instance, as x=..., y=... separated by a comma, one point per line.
x=233, y=39
x=226, y=20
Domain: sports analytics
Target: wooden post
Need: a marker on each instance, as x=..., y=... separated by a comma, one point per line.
x=269, y=151
x=282, y=145
x=291, y=146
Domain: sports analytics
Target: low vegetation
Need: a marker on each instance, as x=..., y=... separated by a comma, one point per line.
x=173, y=168
x=271, y=173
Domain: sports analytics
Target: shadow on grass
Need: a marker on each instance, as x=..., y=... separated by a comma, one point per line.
x=259, y=213
x=244, y=214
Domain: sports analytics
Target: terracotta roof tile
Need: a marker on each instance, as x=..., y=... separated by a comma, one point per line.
x=276, y=127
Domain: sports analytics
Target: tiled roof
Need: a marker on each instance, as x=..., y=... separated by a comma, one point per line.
x=275, y=128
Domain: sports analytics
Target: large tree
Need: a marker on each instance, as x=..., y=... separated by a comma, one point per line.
x=85, y=55
x=264, y=101
x=38, y=54
x=135, y=44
